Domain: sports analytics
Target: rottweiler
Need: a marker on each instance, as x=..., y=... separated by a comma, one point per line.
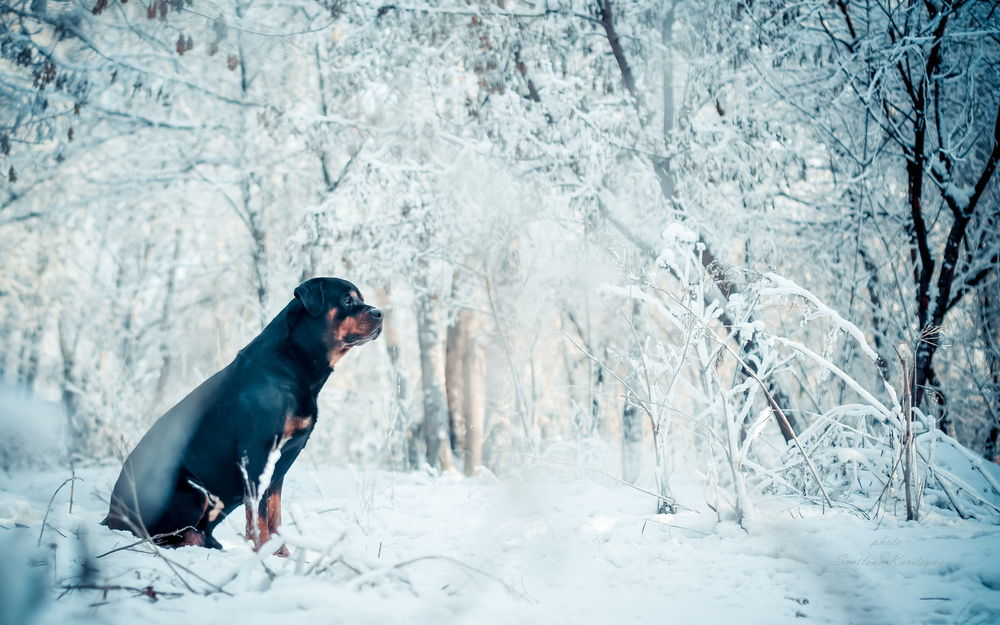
x=231, y=440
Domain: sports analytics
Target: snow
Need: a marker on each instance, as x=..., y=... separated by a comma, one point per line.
x=961, y=196
x=680, y=233
x=27, y=423
x=547, y=545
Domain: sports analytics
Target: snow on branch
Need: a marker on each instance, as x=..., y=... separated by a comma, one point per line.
x=784, y=287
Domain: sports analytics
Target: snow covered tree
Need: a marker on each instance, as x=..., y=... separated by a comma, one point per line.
x=857, y=131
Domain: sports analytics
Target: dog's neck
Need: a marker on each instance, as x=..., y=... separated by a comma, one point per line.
x=316, y=365
x=314, y=361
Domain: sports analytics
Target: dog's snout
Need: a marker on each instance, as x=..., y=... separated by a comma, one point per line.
x=375, y=313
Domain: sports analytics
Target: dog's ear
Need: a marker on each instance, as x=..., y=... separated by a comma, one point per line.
x=310, y=293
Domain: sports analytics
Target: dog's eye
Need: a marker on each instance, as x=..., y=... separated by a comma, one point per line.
x=348, y=300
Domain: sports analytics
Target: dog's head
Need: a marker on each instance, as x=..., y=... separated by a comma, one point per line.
x=336, y=315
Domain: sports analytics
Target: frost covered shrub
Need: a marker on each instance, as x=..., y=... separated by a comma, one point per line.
x=756, y=388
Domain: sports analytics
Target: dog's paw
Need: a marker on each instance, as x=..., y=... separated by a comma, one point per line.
x=211, y=543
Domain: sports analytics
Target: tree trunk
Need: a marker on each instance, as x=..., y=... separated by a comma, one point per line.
x=165, y=311
x=410, y=455
x=991, y=332
x=498, y=406
x=28, y=369
x=456, y=342
x=631, y=413
x=434, y=405
x=472, y=405
x=252, y=218
x=69, y=397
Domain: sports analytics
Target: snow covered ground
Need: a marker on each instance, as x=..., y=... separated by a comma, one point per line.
x=549, y=545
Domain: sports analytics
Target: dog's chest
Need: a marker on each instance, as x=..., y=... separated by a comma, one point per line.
x=301, y=420
x=298, y=425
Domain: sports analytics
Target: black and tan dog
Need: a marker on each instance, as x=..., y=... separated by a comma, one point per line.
x=194, y=466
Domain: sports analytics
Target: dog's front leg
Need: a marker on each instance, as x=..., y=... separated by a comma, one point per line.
x=268, y=519
x=273, y=516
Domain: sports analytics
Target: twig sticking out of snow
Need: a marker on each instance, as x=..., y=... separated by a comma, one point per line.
x=148, y=539
x=146, y=591
x=45, y=519
x=370, y=576
x=264, y=482
x=173, y=566
x=909, y=447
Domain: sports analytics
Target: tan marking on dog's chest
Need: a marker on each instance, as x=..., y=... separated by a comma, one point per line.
x=294, y=423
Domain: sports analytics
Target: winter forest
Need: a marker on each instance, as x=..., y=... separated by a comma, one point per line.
x=691, y=307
